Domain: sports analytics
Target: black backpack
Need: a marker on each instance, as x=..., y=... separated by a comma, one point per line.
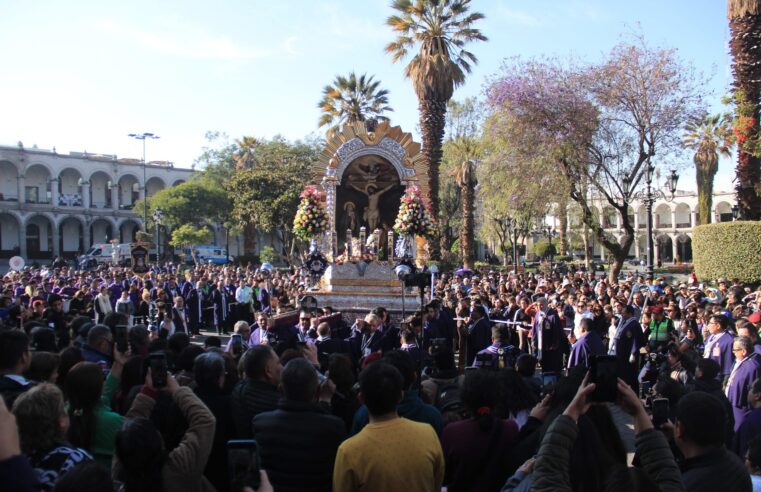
x=449, y=402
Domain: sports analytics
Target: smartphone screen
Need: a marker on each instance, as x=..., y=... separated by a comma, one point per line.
x=243, y=464
x=158, y=369
x=660, y=412
x=604, y=373
x=120, y=337
x=237, y=344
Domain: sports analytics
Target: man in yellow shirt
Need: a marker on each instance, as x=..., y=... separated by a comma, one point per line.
x=390, y=453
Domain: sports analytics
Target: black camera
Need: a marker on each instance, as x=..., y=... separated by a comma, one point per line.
x=657, y=358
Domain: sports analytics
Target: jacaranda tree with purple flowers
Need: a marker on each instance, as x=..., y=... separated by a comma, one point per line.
x=595, y=124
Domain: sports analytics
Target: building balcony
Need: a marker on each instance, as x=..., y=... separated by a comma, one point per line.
x=70, y=200
x=8, y=198
x=683, y=225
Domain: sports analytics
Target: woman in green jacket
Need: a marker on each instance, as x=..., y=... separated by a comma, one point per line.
x=93, y=424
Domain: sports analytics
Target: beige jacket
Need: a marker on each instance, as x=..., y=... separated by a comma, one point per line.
x=183, y=469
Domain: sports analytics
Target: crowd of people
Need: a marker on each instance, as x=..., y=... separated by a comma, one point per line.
x=107, y=384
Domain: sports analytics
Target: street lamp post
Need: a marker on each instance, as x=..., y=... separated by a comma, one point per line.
x=143, y=137
x=735, y=212
x=648, y=197
x=549, y=232
x=158, y=215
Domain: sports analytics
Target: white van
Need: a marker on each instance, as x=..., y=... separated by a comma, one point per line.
x=103, y=253
x=206, y=253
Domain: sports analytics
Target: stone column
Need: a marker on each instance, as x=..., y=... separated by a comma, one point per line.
x=86, y=194
x=21, y=193
x=657, y=252
x=675, y=248
x=636, y=221
x=54, y=191
x=673, y=218
x=636, y=244
x=114, y=196
x=22, y=236
x=619, y=221
x=86, y=232
x=56, y=240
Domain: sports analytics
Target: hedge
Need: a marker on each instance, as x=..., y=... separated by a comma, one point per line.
x=728, y=249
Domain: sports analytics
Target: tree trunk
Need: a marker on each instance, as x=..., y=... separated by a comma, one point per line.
x=563, y=231
x=585, y=239
x=432, y=120
x=705, y=195
x=249, y=239
x=745, y=46
x=466, y=232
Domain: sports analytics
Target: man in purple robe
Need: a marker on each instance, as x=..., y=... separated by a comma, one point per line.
x=625, y=345
x=746, y=369
x=548, y=337
x=588, y=345
x=719, y=345
x=500, y=354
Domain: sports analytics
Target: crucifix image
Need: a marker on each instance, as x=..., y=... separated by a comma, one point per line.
x=372, y=213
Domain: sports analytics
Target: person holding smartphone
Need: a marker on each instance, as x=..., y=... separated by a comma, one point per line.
x=141, y=460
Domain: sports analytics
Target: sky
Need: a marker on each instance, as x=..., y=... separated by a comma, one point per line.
x=81, y=75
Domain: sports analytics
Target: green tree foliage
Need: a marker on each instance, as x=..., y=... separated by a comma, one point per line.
x=351, y=99
x=268, y=255
x=188, y=235
x=709, y=137
x=194, y=202
x=266, y=195
x=728, y=249
x=439, y=31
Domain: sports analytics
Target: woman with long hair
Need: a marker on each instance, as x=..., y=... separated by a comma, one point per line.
x=516, y=398
x=93, y=424
x=475, y=449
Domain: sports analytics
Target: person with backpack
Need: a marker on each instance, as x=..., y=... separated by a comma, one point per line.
x=441, y=386
x=476, y=449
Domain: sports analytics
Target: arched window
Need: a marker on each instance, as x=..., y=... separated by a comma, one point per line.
x=33, y=238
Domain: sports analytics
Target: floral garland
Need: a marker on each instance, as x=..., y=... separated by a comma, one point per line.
x=311, y=218
x=413, y=219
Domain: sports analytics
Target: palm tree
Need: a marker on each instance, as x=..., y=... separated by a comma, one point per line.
x=352, y=99
x=439, y=29
x=465, y=176
x=245, y=155
x=745, y=46
x=707, y=136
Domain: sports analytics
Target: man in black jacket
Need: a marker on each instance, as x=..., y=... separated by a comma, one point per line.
x=14, y=361
x=699, y=434
x=298, y=441
x=258, y=392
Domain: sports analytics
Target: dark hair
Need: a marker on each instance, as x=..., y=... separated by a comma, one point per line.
x=187, y=357
x=514, y=394
x=479, y=396
x=341, y=372
x=43, y=339
x=256, y=359
x=500, y=333
x=87, y=475
x=299, y=380
x=84, y=386
x=177, y=342
x=43, y=365
x=98, y=333
x=754, y=452
x=709, y=369
x=13, y=345
x=526, y=365
x=381, y=385
x=212, y=341
x=722, y=320
x=140, y=451
x=703, y=419
x=114, y=319
x=404, y=362
x=443, y=357
x=207, y=370
x=138, y=338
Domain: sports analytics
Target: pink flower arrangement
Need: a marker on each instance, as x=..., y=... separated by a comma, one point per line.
x=311, y=218
x=414, y=218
